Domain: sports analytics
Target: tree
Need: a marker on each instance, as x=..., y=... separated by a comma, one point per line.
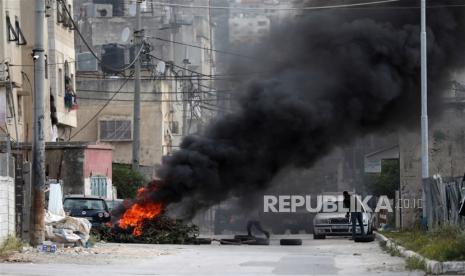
x=386, y=182
x=127, y=181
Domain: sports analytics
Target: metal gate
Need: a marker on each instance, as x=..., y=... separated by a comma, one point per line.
x=98, y=186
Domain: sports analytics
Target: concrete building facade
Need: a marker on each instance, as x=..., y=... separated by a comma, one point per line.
x=177, y=85
x=113, y=124
x=17, y=77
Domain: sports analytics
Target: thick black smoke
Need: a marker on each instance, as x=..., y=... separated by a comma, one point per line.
x=330, y=77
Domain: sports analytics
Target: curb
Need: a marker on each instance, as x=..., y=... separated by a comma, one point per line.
x=435, y=267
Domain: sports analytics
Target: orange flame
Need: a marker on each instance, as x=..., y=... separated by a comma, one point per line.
x=137, y=213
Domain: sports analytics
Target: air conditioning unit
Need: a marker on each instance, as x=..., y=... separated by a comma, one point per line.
x=112, y=57
x=86, y=62
x=99, y=10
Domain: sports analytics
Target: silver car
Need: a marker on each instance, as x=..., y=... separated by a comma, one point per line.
x=337, y=224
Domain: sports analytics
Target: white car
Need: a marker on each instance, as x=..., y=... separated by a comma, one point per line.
x=337, y=224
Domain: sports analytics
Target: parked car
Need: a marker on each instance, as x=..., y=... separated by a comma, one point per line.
x=93, y=208
x=337, y=224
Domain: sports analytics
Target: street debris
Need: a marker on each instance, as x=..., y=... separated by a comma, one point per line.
x=159, y=230
x=66, y=230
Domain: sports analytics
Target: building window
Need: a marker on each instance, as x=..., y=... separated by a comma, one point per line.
x=46, y=67
x=61, y=80
x=174, y=126
x=66, y=69
x=70, y=95
x=14, y=32
x=21, y=39
x=60, y=15
x=115, y=130
x=20, y=108
x=98, y=186
x=69, y=22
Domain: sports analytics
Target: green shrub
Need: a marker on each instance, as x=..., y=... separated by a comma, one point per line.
x=127, y=181
x=414, y=263
x=393, y=250
x=445, y=243
x=9, y=246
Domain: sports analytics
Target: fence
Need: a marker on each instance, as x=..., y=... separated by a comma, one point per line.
x=445, y=199
x=7, y=196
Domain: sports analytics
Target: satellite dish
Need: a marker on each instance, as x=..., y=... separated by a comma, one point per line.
x=125, y=35
x=161, y=66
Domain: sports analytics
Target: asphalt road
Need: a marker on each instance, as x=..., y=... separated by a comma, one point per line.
x=333, y=256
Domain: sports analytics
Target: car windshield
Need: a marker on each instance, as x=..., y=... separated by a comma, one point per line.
x=84, y=204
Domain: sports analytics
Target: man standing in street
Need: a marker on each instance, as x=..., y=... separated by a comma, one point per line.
x=355, y=214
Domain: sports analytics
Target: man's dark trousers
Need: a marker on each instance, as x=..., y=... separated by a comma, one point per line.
x=354, y=217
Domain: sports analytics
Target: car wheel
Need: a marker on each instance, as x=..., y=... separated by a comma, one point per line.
x=290, y=242
x=370, y=230
x=319, y=237
x=364, y=238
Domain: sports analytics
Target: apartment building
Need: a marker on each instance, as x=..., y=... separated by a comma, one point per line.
x=17, y=73
x=175, y=73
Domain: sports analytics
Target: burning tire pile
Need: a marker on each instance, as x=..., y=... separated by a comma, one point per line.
x=159, y=230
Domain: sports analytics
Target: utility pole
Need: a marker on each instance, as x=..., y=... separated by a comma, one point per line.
x=38, y=146
x=138, y=35
x=185, y=95
x=424, y=118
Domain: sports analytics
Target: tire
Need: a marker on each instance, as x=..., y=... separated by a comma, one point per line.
x=370, y=230
x=290, y=242
x=202, y=241
x=258, y=241
x=230, y=242
x=243, y=238
x=319, y=237
x=364, y=238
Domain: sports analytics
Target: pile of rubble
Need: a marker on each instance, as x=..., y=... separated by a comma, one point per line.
x=66, y=230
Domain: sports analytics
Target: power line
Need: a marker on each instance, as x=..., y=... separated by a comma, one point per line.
x=76, y=29
x=177, y=66
x=100, y=110
x=153, y=92
x=274, y=8
x=151, y=101
x=162, y=78
x=361, y=6
x=203, y=48
x=103, y=76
